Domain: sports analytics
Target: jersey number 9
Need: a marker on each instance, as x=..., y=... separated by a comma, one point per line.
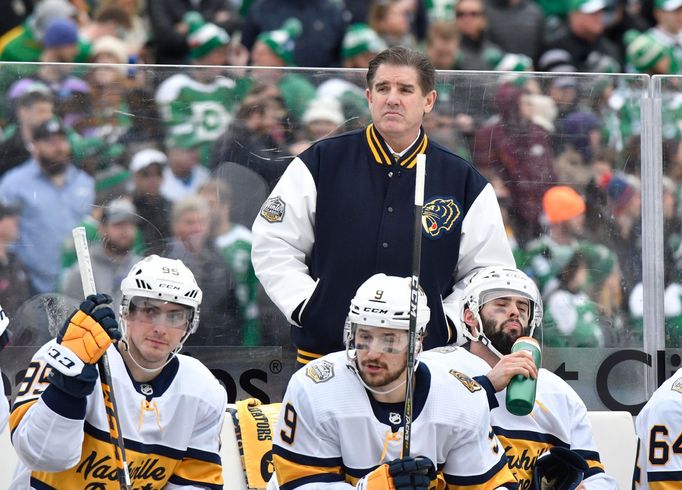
x=290, y=419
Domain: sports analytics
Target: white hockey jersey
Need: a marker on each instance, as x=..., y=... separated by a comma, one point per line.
x=331, y=432
x=559, y=418
x=171, y=428
x=659, y=430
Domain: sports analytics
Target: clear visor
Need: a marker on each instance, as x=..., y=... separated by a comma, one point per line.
x=494, y=294
x=386, y=340
x=158, y=312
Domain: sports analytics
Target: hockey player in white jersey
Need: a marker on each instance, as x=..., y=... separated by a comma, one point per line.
x=555, y=441
x=171, y=407
x=659, y=430
x=341, y=422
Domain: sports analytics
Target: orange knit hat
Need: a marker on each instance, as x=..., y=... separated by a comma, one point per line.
x=562, y=203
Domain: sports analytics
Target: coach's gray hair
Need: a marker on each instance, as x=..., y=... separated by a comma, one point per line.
x=401, y=56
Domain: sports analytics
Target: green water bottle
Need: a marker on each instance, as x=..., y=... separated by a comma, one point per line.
x=521, y=390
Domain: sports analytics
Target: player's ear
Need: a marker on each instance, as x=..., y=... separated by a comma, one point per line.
x=471, y=321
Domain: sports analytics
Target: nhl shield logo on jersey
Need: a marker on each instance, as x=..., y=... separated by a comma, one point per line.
x=468, y=383
x=439, y=216
x=395, y=418
x=273, y=210
x=320, y=371
x=677, y=385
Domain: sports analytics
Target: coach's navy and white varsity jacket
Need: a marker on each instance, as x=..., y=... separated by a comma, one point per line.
x=344, y=210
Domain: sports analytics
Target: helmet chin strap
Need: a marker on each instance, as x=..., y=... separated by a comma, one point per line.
x=481, y=337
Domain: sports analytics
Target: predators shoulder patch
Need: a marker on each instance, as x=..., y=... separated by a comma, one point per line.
x=439, y=216
x=468, y=383
x=445, y=349
x=273, y=210
x=320, y=371
x=677, y=385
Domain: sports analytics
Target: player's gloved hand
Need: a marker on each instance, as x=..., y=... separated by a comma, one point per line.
x=81, y=342
x=91, y=329
x=400, y=474
x=559, y=469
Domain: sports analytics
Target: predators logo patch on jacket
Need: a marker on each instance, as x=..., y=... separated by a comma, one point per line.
x=439, y=216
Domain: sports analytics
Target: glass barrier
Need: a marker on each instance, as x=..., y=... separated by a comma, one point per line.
x=225, y=137
x=667, y=342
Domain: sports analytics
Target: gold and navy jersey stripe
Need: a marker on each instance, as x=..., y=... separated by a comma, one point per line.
x=148, y=464
x=18, y=412
x=593, y=461
x=497, y=476
x=382, y=155
x=304, y=356
x=294, y=470
x=664, y=480
x=523, y=447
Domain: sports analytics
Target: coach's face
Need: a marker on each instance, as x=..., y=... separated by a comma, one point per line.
x=397, y=104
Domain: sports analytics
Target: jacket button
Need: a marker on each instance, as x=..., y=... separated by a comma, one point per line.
x=390, y=209
x=385, y=244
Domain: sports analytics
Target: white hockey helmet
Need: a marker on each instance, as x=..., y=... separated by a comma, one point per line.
x=163, y=279
x=384, y=301
x=495, y=282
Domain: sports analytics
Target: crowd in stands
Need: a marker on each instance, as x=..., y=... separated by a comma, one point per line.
x=139, y=110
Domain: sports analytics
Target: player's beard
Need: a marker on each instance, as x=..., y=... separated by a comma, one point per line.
x=501, y=340
x=388, y=376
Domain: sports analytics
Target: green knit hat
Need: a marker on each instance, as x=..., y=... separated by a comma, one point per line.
x=643, y=51
x=203, y=37
x=440, y=10
x=360, y=39
x=587, y=6
x=500, y=61
x=281, y=41
x=668, y=5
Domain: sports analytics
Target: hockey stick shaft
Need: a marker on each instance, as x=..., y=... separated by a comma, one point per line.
x=414, y=300
x=88, y=280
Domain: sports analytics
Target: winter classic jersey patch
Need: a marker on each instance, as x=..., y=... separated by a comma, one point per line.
x=468, y=383
x=439, y=216
x=677, y=385
x=273, y=210
x=320, y=371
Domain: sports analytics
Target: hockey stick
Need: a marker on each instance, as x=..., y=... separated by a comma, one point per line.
x=414, y=300
x=88, y=280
